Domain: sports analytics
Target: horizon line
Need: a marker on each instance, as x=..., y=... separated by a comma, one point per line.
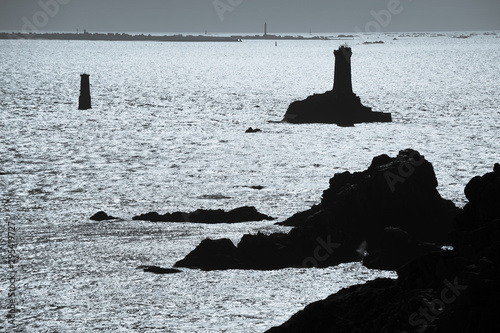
x=244, y=33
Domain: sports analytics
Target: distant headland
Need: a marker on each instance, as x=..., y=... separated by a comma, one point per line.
x=142, y=37
x=166, y=38
x=117, y=37
x=85, y=35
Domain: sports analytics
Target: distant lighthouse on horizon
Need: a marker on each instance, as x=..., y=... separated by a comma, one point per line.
x=265, y=29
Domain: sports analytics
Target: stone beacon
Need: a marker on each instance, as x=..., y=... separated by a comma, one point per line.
x=84, y=102
x=340, y=105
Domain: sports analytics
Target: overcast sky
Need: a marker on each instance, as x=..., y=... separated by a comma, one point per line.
x=240, y=16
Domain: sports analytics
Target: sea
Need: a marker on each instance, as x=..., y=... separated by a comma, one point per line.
x=166, y=133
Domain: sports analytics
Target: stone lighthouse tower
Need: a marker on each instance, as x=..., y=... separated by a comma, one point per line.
x=342, y=81
x=84, y=102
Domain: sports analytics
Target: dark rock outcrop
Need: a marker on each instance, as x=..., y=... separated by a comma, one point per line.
x=443, y=292
x=393, y=192
x=102, y=216
x=347, y=311
x=389, y=211
x=260, y=251
x=253, y=130
x=396, y=192
x=477, y=228
x=332, y=108
x=257, y=187
x=396, y=247
x=159, y=270
x=241, y=214
x=210, y=254
x=339, y=106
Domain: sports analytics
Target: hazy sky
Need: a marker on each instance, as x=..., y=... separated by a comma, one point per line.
x=196, y=16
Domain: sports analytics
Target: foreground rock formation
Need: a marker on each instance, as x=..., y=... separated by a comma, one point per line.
x=390, y=211
x=444, y=291
x=339, y=106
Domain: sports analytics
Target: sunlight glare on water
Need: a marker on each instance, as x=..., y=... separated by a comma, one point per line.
x=166, y=133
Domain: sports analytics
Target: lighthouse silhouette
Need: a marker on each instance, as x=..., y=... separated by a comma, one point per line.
x=342, y=82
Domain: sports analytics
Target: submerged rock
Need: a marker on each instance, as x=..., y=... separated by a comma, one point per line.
x=241, y=214
x=339, y=106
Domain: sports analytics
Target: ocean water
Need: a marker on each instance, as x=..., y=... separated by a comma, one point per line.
x=166, y=133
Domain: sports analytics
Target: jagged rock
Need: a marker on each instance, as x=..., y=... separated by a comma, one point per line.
x=394, y=192
x=253, y=252
x=169, y=217
x=339, y=106
x=302, y=247
x=102, y=216
x=241, y=214
x=217, y=254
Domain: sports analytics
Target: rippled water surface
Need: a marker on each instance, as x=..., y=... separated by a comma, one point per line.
x=166, y=133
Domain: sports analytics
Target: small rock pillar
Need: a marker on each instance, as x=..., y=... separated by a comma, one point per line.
x=85, y=102
x=342, y=82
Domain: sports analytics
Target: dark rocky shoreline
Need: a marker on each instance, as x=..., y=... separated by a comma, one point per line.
x=442, y=291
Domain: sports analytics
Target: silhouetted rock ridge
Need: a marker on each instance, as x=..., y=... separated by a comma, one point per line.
x=241, y=214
